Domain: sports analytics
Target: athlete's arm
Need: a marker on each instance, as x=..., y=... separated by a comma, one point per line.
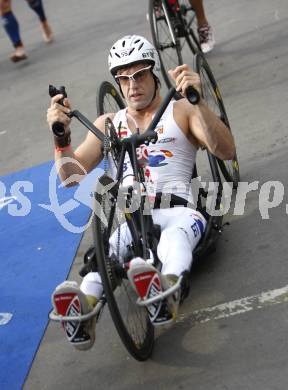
x=203, y=124
x=86, y=156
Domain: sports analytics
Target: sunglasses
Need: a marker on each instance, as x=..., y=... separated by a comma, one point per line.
x=137, y=76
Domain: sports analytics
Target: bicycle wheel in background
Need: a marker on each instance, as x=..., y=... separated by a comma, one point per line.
x=131, y=320
x=190, y=22
x=212, y=96
x=169, y=36
x=108, y=99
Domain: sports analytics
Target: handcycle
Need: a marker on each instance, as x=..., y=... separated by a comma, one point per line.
x=115, y=204
x=171, y=23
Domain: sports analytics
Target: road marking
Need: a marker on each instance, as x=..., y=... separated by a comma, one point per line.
x=5, y=318
x=239, y=306
x=3, y=132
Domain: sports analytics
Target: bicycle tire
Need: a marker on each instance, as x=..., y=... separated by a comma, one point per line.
x=168, y=42
x=131, y=321
x=190, y=21
x=108, y=99
x=229, y=168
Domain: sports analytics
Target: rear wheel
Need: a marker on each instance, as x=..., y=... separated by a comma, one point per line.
x=210, y=202
x=108, y=99
x=211, y=94
x=131, y=320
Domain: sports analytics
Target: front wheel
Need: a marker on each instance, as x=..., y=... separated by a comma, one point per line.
x=131, y=320
x=211, y=94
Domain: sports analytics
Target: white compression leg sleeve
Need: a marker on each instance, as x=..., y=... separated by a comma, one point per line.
x=91, y=283
x=181, y=228
x=180, y=235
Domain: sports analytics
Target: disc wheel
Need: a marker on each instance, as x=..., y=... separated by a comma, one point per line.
x=170, y=37
x=108, y=99
x=211, y=94
x=131, y=320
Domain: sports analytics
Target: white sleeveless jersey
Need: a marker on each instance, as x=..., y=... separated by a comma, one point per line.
x=170, y=160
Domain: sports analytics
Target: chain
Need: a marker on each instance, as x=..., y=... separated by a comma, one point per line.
x=106, y=146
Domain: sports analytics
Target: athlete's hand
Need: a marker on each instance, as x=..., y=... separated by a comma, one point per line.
x=57, y=112
x=184, y=76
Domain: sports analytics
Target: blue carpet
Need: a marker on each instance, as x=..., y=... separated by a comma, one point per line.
x=36, y=253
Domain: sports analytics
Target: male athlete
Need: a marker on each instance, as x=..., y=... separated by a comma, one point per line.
x=183, y=128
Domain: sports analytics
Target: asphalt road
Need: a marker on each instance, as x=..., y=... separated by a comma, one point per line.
x=244, y=351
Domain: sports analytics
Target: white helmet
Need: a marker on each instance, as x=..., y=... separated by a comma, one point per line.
x=132, y=49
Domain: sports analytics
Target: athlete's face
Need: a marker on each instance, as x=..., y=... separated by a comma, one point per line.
x=137, y=84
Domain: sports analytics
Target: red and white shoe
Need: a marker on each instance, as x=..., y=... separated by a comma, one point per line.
x=148, y=282
x=69, y=300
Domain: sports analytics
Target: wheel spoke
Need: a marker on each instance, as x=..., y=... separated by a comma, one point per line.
x=130, y=319
x=110, y=231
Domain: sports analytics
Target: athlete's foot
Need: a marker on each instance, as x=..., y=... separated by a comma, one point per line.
x=148, y=283
x=206, y=38
x=46, y=32
x=173, y=300
x=69, y=300
x=19, y=54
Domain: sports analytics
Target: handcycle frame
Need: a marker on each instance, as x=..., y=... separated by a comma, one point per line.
x=145, y=222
